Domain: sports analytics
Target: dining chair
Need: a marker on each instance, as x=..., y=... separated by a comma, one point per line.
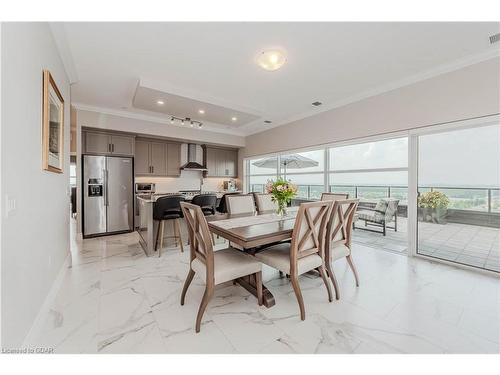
x=240, y=204
x=264, y=202
x=334, y=196
x=339, y=238
x=215, y=267
x=305, y=252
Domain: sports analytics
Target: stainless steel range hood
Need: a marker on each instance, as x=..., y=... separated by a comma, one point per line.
x=192, y=164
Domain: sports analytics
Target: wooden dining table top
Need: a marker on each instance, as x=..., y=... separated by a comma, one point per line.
x=253, y=232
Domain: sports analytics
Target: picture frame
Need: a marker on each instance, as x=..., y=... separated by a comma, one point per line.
x=52, y=125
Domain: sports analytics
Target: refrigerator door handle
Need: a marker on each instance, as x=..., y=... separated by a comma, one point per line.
x=106, y=198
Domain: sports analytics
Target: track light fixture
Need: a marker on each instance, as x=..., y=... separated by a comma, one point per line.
x=185, y=120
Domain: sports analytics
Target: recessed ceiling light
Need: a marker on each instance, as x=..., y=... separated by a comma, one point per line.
x=160, y=102
x=316, y=103
x=234, y=118
x=201, y=111
x=171, y=120
x=271, y=59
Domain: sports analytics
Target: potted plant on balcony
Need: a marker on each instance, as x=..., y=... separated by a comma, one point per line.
x=282, y=192
x=433, y=207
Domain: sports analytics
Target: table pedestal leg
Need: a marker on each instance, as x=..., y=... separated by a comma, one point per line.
x=248, y=282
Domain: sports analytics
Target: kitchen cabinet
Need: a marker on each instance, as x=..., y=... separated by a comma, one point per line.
x=122, y=145
x=173, y=159
x=150, y=158
x=142, y=164
x=97, y=143
x=156, y=158
x=221, y=162
x=109, y=144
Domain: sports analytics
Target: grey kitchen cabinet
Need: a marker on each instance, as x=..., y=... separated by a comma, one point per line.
x=109, y=144
x=221, y=163
x=122, y=145
x=97, y=143
x=158, y=160
x=173, y=159
x=142, y=164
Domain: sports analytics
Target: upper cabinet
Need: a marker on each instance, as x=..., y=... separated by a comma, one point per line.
x=221, y=162
x=156, y=158
x=173, y=159
x=108, y=144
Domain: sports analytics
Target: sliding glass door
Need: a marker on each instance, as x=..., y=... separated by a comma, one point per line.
x=458, y=190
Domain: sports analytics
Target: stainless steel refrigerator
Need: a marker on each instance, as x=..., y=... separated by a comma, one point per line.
x=108, y=195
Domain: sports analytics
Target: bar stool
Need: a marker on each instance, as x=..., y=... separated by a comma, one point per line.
x=168, y=208
x=207, y=203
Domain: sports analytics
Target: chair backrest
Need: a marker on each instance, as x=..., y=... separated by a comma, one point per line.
x=386, y=208
x=334, y=196
x=264, y=202
x=309, y=231
x=200, y=240
x=240, y=204
x=167, y=204
x=205, y=201
x=339, y=227
x=222, y=208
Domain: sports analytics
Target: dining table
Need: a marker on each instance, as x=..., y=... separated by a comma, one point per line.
x=253, y=232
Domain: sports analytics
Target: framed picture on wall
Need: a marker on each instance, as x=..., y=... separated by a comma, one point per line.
x=53, y=126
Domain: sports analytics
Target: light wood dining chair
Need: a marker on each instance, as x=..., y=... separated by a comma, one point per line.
x=264, y=202
x=334, y=196
x=215, y=267
x=240, y=204
x=305, y=252
x=339, y=238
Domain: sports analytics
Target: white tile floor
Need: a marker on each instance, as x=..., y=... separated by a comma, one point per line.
x=116, y=300
x=472, y=245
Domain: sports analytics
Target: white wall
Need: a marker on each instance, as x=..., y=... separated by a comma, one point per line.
x=35, y=237
x=470, y=92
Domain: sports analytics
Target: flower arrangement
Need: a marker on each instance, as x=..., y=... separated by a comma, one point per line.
x=282, y=192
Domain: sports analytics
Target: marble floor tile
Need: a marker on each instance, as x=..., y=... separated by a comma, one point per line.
x=116, y=300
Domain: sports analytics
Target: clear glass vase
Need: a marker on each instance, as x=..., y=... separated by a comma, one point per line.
x=281, y=208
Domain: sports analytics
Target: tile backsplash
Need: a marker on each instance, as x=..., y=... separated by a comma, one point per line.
x=188, y=180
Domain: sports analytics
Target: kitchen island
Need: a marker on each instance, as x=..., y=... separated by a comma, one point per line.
x=147, y=227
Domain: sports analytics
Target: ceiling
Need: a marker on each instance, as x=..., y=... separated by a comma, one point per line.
x=153, y=100
x=213, y=64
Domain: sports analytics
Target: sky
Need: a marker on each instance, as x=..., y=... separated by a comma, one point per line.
x=469, y=157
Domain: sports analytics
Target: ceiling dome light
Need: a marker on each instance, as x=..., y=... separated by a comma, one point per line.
x=271, y=60
x=234, y=118
x=160, y=102
x=201, y=111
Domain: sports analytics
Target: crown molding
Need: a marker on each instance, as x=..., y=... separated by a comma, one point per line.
x=59, y=34
x=150, y=118
x=431, y=73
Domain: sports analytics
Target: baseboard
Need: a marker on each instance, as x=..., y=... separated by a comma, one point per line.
x=47, y=303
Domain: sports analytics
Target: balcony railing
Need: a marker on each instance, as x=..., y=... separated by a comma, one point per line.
x=477, y=199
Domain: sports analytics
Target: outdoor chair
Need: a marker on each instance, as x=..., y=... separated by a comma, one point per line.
x=383, y=214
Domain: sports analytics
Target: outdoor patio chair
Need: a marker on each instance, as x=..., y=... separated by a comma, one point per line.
x=384, y=213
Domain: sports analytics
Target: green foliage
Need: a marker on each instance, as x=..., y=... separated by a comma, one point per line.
x=433, y=199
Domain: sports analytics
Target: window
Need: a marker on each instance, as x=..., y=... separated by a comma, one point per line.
x=371, y=170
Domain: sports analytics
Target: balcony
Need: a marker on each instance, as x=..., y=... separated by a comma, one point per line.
x=471, y=234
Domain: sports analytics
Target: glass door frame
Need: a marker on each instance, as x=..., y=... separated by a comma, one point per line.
x=413, y=154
